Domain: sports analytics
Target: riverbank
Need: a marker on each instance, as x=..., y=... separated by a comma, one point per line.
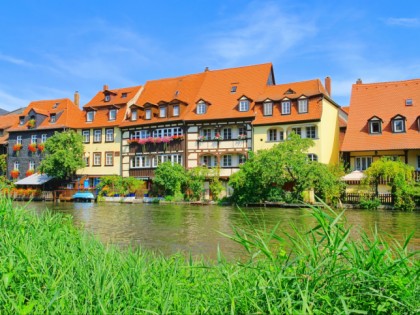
x=49, y=266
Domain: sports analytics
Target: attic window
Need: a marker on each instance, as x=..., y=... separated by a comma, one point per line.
x=89, y=116
x=56, y=105
x=107, y=98
x=303, y=105
x=408, y=102
x=201, y=108
x=112, y=114
x=398, y=124
x=375, y=126
x=233, y=89
x=289, y=91
x=123, y=95
x=134, y=114
x=21, y=120
x=148, y=114
x=176, y=93
x=243, y=105
x=53, y=118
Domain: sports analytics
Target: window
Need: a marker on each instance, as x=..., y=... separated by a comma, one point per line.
x=176, y=110
x=97, y=135
x=268, y=109
x=109, y=158
x=109, y=135
x=123, y=95
x=86, y=136
x=375, y=126
x=1, y=132
x=242, y=131
x=86, y=159
x=107, y=98
x=43, y=138
x=408, y=102
x=112, y=114
x=297, y=130
x=285, y=108
x=241, y=158
x=140, y=134
x=362, y=163
x=281, y=135
x=148, y=114
x=89, y=116
x=21, y=120
x=418, y=162
x=32, y=165
x=16, y=165
x=140, y=162
x=312, y=157
x=227, y=133
x=162, y=111
x=206, y=133
x=243, y=105
x=303, y=106
x=97, y=159
x=311, y=132
x=208, y=160
x=33, y=139
x=201, y=108
x=53, y=118
x=134, y=115
x=233, y=89
x=398, y=125
x=227, y=160
x=272, y=135
x=19, y=139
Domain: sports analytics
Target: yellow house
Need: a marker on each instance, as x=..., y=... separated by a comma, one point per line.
x=304, y=108
x=99, y=127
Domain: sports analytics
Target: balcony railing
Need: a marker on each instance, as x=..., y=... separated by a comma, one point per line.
x=177, y=145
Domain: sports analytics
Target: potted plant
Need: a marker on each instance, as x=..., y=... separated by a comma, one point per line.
x=218, y=137
x=17, y=147
x=241, y=137
x=32, y=147
x=14, y=173
x=29, y=172
x=41, y=147
x=31, y=124
x=202, y=138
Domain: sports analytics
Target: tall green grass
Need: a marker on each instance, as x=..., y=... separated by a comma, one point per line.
x=49, y=267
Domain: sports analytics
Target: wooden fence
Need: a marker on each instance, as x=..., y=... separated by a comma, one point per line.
x=354, y=198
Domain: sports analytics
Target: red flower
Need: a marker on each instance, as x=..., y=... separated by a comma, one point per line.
x=32, y=147
x=29, y=172
x=17, y=147
x=41, y=147
x=15, y=174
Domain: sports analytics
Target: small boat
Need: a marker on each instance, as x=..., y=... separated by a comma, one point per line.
x=83, y=197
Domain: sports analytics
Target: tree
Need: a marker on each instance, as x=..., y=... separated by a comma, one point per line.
x=63, y=155
x=170, y=178
x=196, y=178
x=216, y=186
x=3, y=164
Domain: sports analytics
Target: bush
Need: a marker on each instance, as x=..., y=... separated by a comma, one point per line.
x=371, y=204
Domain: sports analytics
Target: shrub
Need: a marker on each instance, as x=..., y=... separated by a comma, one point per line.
x=371, y=204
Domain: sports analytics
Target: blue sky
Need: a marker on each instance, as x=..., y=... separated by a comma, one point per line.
x=50, y=49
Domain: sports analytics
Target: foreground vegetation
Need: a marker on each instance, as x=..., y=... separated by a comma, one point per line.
x=48, y=266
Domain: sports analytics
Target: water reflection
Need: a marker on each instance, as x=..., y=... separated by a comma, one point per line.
x=172, y=228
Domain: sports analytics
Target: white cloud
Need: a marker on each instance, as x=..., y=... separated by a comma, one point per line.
x=406, y=22
x=12, y=60
x=10, y=102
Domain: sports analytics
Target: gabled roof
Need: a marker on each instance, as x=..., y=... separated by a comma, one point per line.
x=6, y=122
x=384, y=100
x=66, y=111
x=116, y=97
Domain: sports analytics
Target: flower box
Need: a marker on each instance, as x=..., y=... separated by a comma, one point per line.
x=15, y=173
x=32, y=147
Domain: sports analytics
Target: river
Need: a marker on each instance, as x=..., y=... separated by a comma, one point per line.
x=197, y=229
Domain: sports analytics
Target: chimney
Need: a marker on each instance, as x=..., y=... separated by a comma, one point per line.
x=359, y=81
x=328, y=85
x=105, y=87
x=76, y=98
x=206, y=69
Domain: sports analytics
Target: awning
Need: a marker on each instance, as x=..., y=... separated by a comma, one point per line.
x=35, y=179
x=353, y=176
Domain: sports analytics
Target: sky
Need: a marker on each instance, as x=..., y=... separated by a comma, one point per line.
x=50, y=49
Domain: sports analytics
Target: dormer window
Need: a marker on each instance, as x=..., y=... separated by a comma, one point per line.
x=21, y=120
x=398, y=124
x=418, y=124
x=53, y=118
x=89, y=116
x=107, y=97
x=134, y=115
x=201, y=108
x=175, y=111
x=148, y=114
x=303, y=105
x=285, y=108
x=268, y=108
x=243, y=105
x=162, y=111
x=375, y=125
x=123, y=95
x=409, y=102
x=112, y=114
x=56, y=105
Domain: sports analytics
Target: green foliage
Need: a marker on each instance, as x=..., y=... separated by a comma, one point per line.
x=3, y=164
x=216, y=186
x=63, y=155
x=196, y=178
x=114, y=184
x=371, y=204
x=47, y=266
x=170, y=177
x=400, y=178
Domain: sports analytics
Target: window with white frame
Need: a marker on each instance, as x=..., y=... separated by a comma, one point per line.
x=140, y=134
x=268, y=108
x=311, y=132
x=109, y=158
x=112, y=114
x=285, y=108
x=97, y=159
x=19, y=139
x=140, y=161
x=312, y=157
x=32, y=165
x=227, y=133
x=303, y=105
x=227, y=160
x=207, y=133
x=53, y=118
x=281, y=135
x=90, y=115
x=16, y=165
x=361, y=163
x=243, y=105
x=175, y=111
x=109, y=135
x=162, y=111
x=242, y=131
x=43, y=138
x=148, y=113
x=201, y=108
x=134, y=115
x=173, y=158
x=272, y=135
x=208, y=160
x=375, y=126
x=297, y=130
x=97, y=135
x=107, y=98
x=86, y=136
x=33, y=138
x=398, y=124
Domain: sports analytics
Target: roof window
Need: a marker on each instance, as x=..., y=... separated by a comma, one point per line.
x=107, y=98
x=233, y=89
x=56, y=105
x=123, y=95
x=409, y=102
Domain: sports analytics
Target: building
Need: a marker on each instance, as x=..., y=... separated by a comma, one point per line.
x=384, y=120
x=30, y=129
x=304, y=108
x=99, y=127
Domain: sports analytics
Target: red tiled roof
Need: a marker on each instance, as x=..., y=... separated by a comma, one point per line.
x=6, y=122
x=346, y=109
x=116, y=97
x=384, y=100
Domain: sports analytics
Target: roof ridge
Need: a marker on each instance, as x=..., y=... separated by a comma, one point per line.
x=386, y=82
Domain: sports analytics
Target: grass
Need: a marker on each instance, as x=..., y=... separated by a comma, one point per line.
x=49, y=267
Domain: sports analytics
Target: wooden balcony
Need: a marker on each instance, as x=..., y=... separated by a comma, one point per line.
x=158, y=147
x=142, y=172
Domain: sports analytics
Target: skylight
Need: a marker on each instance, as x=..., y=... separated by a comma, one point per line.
x=408, y=102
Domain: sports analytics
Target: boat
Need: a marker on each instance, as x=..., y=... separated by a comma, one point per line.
x=83, y=197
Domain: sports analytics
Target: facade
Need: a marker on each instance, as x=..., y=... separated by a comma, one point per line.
x=6, y=122
x=99, y=127
x=384, y=120
x=304, y=108
x=30, y=129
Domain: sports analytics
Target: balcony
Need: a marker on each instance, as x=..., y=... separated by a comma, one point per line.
x=149, y=147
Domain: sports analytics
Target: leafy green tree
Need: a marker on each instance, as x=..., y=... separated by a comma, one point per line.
x=196, y=178
x=3, y=164
x=114, y=184
x=398, y=175
x=216, y=186
x=170, y=178
x=63, y=155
